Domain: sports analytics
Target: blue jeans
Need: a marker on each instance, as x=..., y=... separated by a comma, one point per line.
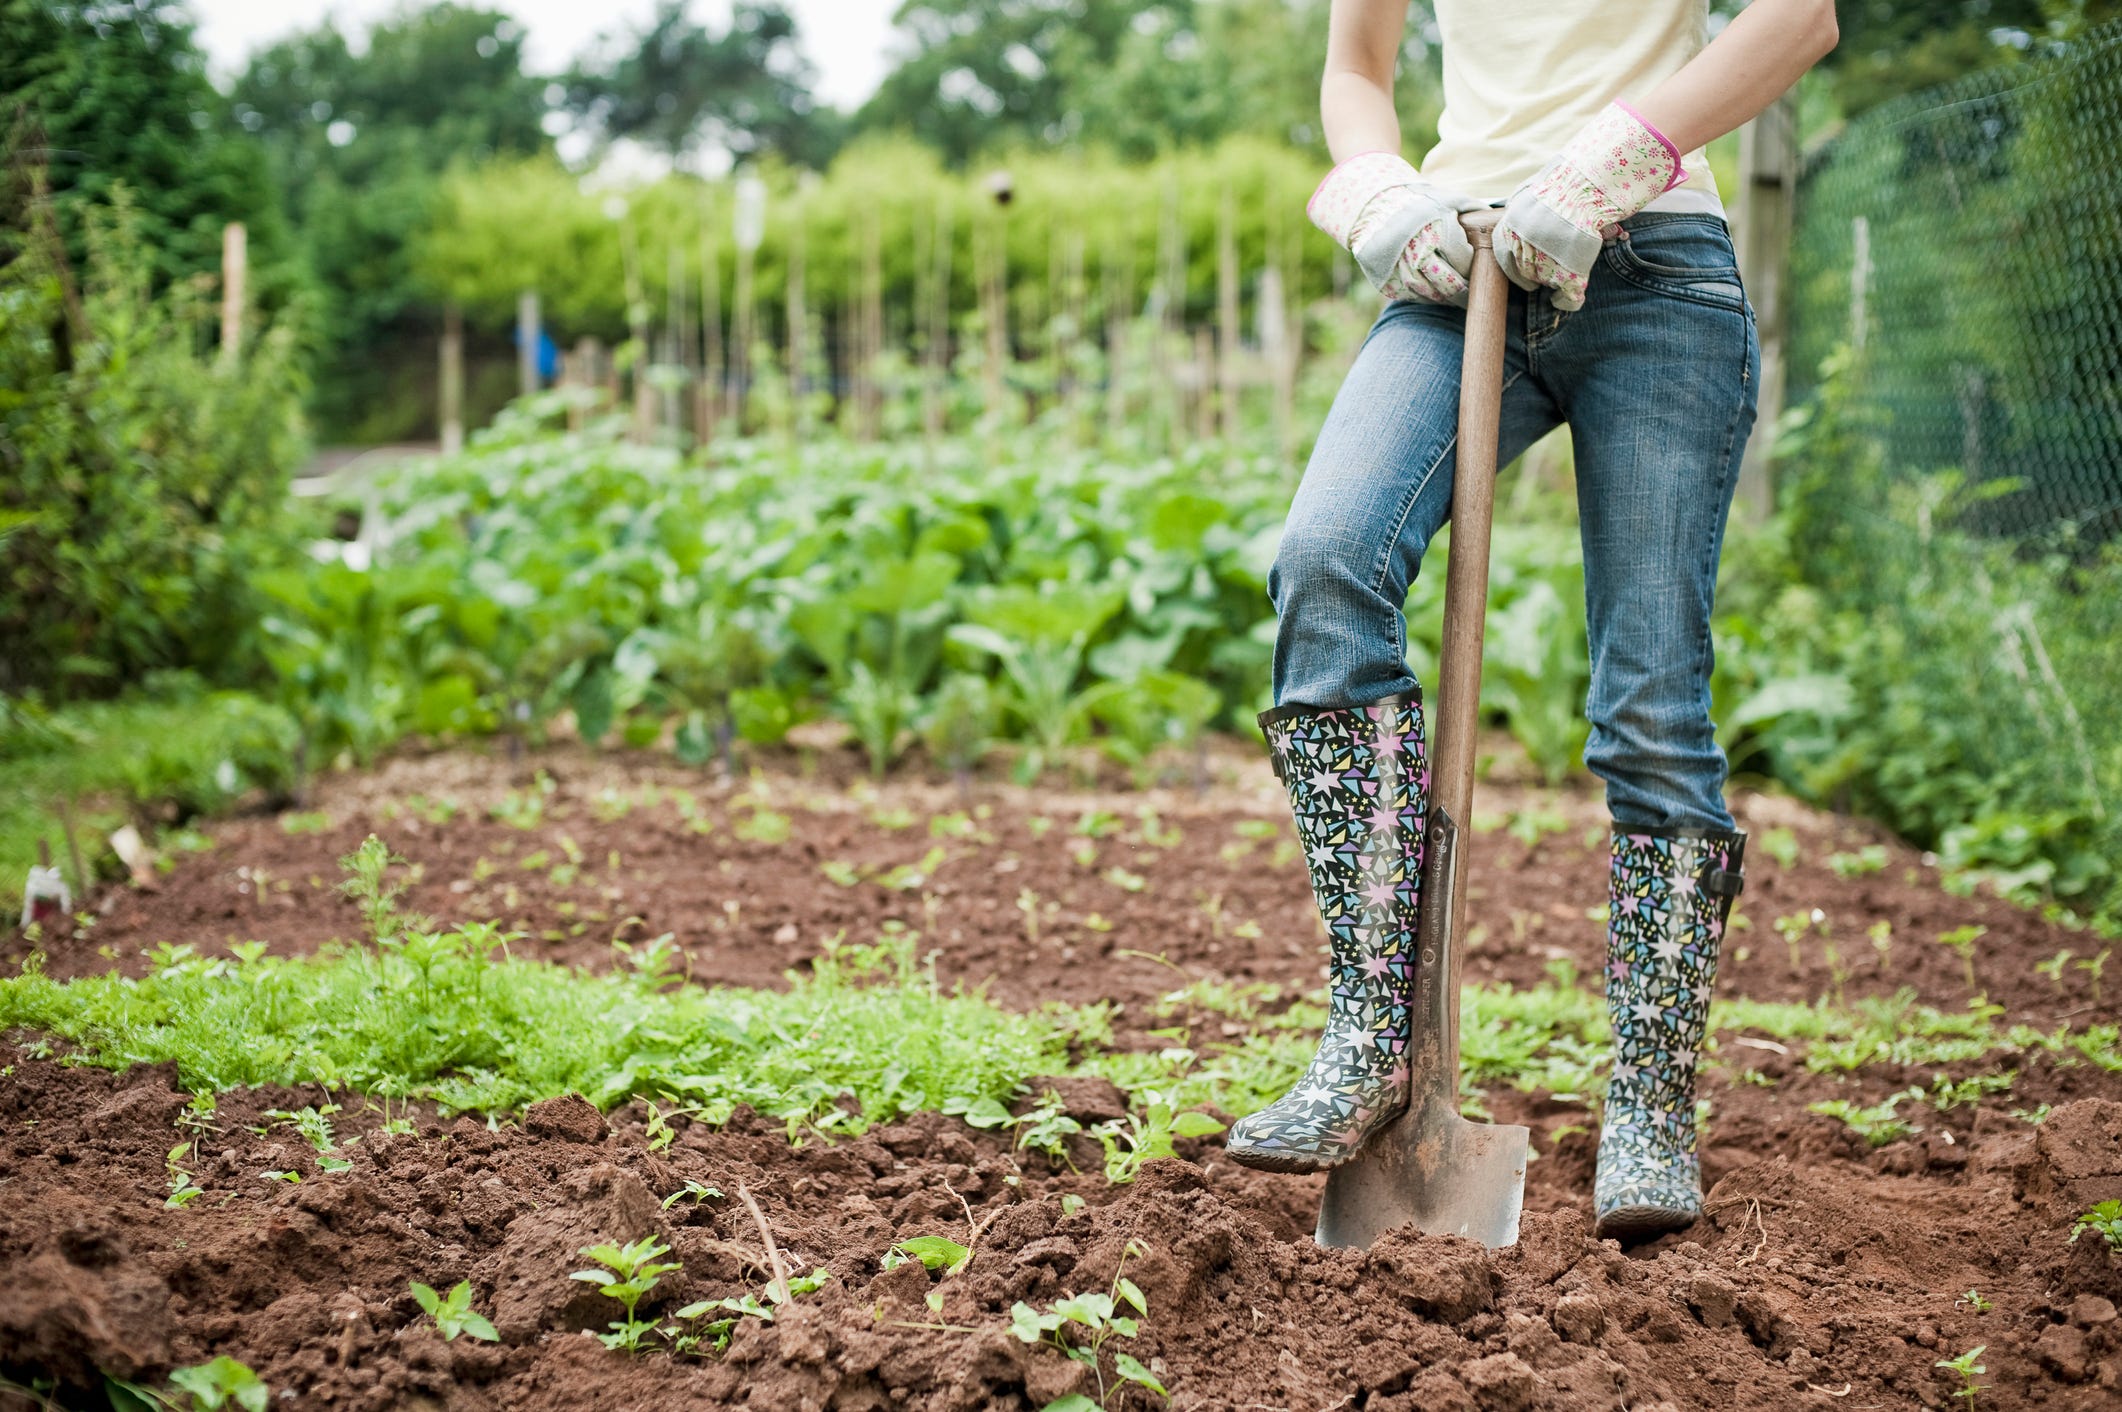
x=1655, y=377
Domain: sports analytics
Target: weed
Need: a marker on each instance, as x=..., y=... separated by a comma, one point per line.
x=629, y=1272
x=366, y=882
x=221, y=1383
x=2053, y=967
x=1096, y=1315
x=1967, y=1369
x=1962, y=940
x=1948, y=1094
x=2103, y=1220
x=1973, y=1299
x=1864, y=862
x=1046, y=1129
x=453, y=1313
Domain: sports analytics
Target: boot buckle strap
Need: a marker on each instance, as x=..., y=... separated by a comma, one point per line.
x=1723, y=882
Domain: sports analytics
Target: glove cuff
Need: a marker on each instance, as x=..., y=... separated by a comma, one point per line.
x=1346, y=191
x=1609, y=171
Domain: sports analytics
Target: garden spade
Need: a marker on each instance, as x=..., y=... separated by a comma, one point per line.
x=1433, y=1168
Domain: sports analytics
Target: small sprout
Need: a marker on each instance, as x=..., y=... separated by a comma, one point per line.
x=1881, y=933
x=764, y=826
x=182, y=1190
x=1097, y=823
x=315, y=821
x=2053, y=967
x=453, y=1313
x=2035, y=1116
x=934, y=1253
x=291, y=1178
x=1962, y=940
x=1864, y=862
x=698, y=1190
x=840, y=871
x=1966, y=1366
x=1877, y=1124
x=2104, y=1220
x=1028, y=904
x=1782, y=845
x=1084, y=853
x=1080, y=1325
x=1794, y=928
x=1096, y=922
x=1973, y=1299
x=629, y=1273
x=657, y=1129
x=978, y=1112
x=2093, y=966
x=1121, y=878
x=1071, y=1204
x=222, y=1383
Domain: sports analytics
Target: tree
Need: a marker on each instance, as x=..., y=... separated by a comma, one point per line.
x=358, y=145
x=678, y=87
x=120, y=95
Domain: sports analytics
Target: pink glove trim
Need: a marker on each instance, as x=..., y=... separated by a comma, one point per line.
x=1328, y=178
x=1679, y=167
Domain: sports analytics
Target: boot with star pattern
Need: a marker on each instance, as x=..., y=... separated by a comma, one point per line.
x=1672, y=890
x=1358, y=784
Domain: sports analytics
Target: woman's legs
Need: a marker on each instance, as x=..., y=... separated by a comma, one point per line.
x=1347, y=731
x=1658, y=371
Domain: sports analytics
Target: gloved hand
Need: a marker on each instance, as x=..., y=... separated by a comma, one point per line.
x=1403, y=231
x=1553, y=225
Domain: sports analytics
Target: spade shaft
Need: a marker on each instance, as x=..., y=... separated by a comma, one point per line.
x=1432, y=1167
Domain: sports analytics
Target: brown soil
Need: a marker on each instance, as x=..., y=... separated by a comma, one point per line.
x=1825, y=1275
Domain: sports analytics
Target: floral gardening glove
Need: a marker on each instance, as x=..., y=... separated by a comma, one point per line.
x=1403, y=231
x=1553, y=225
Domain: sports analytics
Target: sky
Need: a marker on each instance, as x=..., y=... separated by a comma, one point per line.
x=849, y=41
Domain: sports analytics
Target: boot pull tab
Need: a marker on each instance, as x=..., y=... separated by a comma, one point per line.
x=1723, y=882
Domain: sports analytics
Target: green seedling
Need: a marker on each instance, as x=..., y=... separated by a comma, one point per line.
x=1046, y=1129
x=1155, y=832
x=657, y=1129
x=840, y=871
x=182, y=1190
x=2053, y=967
x=2093, y=966
x=1967, y=1369
x=933, y=1253
x=1148, y=1135
x=1097, y=823
x=314, y=821
x=1083, y=853
x=1530, y=825
x=367, y=869
x=1080, y=1325
x=2104, y=1221
x=1071, y=1204
x=698, y=1191
x=1782, y=845
x=911, y=877
x=1962, y=940
x=1877, y=1125
x=453, y=1313
x=1973, y=1299
x=1881, y=933
x=2035, y=1116
x=1865, y=861
x=1794, y=928
x=765, y=826
x=1124, y=880
x=714, y=1335
x=222, y=1383
x=629, y=1272
x=1028, y=904
x=1948, y=1094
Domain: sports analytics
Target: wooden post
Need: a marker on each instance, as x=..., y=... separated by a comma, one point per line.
x=528, y=330
x=450, y=392
x=1227, y=332
x=937, y=381
x=750, y=229
x=710, y=390
x=235, y=267
x=1768, y=178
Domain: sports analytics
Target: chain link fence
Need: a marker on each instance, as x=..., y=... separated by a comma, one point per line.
x=1954, y=473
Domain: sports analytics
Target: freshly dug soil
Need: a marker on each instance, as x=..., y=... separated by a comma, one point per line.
x=1825, y=1274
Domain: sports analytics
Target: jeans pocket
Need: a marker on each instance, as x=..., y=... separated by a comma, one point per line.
x=1686, y=259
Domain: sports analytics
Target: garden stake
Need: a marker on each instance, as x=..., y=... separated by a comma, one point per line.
x=1432, y=1167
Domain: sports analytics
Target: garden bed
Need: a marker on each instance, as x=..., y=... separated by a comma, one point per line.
x=1842, y=1259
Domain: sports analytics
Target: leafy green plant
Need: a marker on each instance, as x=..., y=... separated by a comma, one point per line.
x=2103, y=1220
x=2094, y=967
x=1973, y=1299
x=932, y=1253
x=628, y=1274
x=223, y=1382
x=1863, y=863
x=453, y=1313
x=1877, y=1124
x=1147, y=1134
x=1081, y=1325
x=695, y=1191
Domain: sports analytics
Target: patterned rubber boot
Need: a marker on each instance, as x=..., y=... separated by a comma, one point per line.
x=1359, y=786
x=1672, y=890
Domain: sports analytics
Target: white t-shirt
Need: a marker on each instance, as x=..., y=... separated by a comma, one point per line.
x=1522, y=76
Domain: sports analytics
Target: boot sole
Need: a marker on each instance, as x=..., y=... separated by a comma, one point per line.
x=1637, y=1223
x=1284, y=1162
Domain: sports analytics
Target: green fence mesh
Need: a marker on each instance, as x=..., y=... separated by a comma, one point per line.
x=1955, y=485
x=1968, y=240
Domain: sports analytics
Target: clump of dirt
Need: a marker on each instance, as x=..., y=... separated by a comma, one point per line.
x=1818, y=1283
